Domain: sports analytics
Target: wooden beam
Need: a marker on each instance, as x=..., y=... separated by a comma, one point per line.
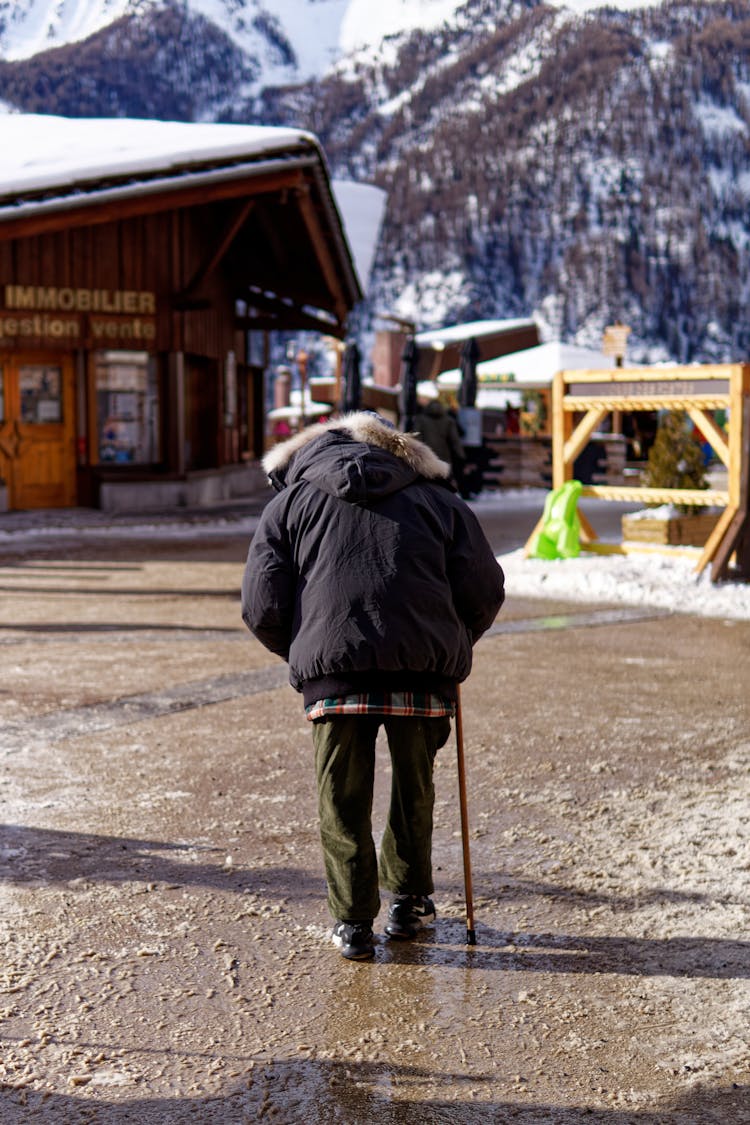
x=696, y=497
x=716, y=436
x=282, y=303
x=213, y=260
x=176, y=277
x=588, y=535
x=312, y=224
x=742, y=552
x=714, y=540
x=289, y=319
x=582, y=433
x=146, y=203
x=629, y=403
x=534, y=531
x=725, y=549
x=676, y=373
x=562, y=425
x=737, y=531
x=266, y=281
x=634, y=548
x=739, y=436
x=270, y=232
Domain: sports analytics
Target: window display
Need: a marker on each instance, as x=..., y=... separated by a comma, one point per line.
x=40, y=389
x=127, y=405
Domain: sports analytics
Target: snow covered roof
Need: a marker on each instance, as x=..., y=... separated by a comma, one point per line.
x=457, y=333
x=535, y=366
x=52, y=165
x=440, y=348
x=41, y=153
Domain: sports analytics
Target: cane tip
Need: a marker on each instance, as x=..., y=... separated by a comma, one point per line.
x=471, y=937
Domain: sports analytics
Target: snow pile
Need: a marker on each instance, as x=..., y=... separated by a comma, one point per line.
x=657, y=580
x=664, y=582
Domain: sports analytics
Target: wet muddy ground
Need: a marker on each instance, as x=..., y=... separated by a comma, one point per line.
x=165, y=936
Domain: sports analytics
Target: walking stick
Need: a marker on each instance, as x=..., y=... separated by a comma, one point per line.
x=471, y=937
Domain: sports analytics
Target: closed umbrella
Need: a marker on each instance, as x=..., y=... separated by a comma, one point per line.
x=351, y=379
x=409, y=364
x=469, y=358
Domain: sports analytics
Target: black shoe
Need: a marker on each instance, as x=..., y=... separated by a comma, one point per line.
x=407, y=914
x=354, y=939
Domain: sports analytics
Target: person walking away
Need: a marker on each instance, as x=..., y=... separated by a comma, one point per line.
x=373, y=580
x=437, y=427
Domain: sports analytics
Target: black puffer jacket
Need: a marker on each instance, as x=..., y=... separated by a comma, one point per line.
x=438, y=429
x=366, y=572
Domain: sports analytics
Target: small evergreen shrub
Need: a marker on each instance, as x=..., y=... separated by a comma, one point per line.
x=675, y=459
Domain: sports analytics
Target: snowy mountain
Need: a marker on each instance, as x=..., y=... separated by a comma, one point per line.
x=294, y=40
x=233, y=48
x=580, y=163
x=309, y=35
x=584, y=169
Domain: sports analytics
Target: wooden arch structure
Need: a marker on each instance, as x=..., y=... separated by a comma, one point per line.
x=581, y=400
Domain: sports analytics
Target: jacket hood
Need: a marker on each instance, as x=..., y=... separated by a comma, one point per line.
x=357, y=457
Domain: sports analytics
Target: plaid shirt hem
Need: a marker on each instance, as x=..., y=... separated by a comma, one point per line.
x=422, y=704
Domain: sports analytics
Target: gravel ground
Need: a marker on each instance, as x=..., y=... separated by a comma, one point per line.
x=166, y=951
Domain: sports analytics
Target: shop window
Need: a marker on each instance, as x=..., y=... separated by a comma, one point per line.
x=127, y=408
x=40, y=390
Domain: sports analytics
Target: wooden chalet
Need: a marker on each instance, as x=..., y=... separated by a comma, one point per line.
x=142, y=265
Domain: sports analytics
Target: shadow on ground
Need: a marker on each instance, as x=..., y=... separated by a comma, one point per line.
x=503, y=951
x=322, y=1093
x=30, y=855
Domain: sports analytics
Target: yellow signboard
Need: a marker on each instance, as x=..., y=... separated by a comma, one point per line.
x=615, y=339
x=53, y=298
x=37, y=315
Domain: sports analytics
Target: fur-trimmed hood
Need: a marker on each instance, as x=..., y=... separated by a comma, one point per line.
x=356, y=457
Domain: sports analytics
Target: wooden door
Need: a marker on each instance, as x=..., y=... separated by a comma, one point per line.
x=37, y=430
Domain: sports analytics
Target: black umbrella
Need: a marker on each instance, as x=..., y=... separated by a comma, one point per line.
x=351, y=378
x=409, y=364
x=469, y=357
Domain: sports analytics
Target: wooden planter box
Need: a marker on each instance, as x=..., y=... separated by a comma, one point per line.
x=675, y=531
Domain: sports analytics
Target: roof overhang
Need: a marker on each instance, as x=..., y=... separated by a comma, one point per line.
x=440, y=349
x=273, y=166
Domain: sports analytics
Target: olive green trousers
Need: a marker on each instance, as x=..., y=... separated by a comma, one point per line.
x=345, y=770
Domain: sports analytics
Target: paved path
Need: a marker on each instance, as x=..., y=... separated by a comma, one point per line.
x=165, y=934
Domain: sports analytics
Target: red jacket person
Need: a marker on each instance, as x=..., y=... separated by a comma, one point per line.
x=374, y=580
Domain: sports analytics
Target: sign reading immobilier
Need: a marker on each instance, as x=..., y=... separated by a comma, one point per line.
x=51, y=298
x=52, y=314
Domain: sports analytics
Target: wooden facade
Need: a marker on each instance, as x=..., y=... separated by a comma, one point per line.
x=126, y=304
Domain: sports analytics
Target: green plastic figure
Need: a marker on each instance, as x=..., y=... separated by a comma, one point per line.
x=560, y=533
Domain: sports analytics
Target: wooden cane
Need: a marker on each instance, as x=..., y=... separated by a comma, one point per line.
x=471, y=937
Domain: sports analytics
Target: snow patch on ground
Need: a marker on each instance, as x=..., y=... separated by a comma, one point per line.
x=663, y=582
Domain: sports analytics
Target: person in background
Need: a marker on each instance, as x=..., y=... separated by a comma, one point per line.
x=373, y=580
x=438, y=428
